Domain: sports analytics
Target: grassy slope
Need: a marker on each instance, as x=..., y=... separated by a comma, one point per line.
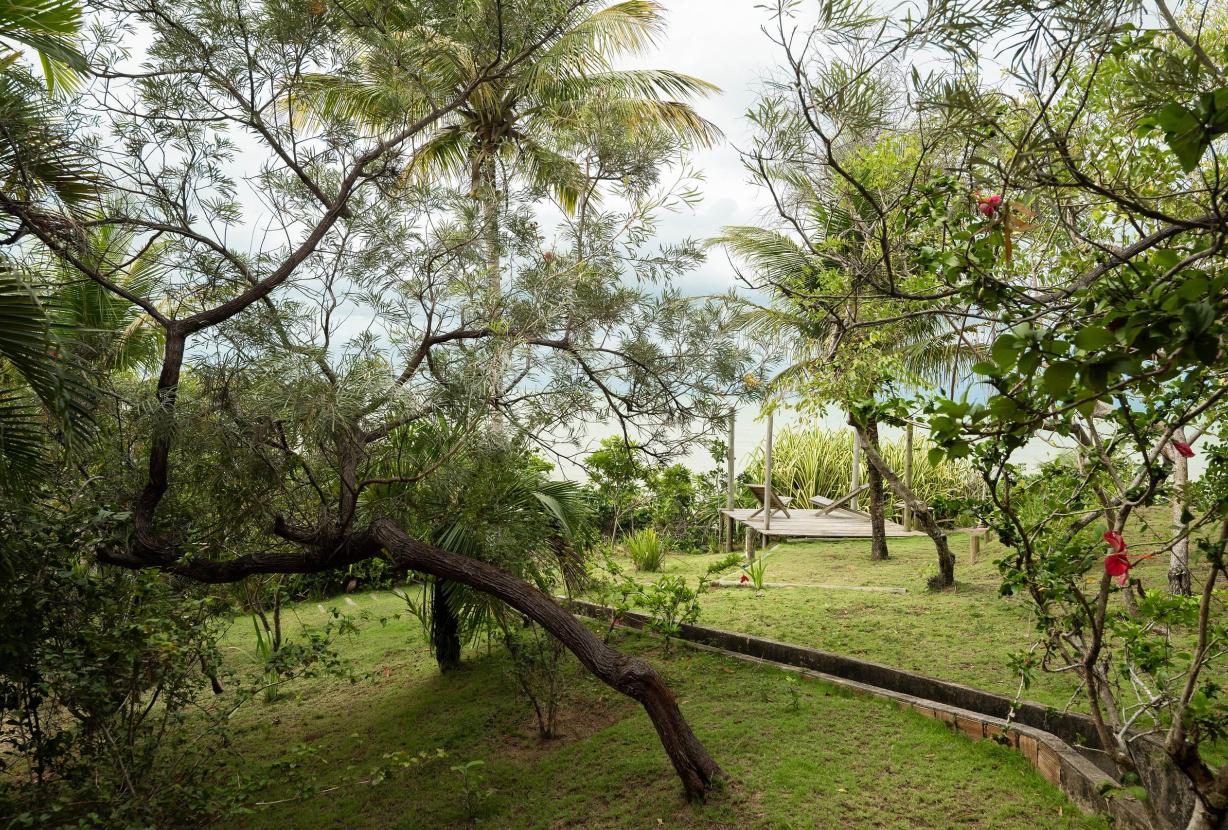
x=964, y=635
x=835, y=761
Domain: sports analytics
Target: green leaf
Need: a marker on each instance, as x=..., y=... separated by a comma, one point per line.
x=1184, y=133
x=1005, y=350
x=1059, y=377
x=1206, y=349
x=1198, y=317
x=1093, y=337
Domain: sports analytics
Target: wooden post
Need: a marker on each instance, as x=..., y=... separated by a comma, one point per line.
x=908, y=472
x=767, y=480
x=974, y=544
x=751, y=535
x=729, y=484
x=855, y=475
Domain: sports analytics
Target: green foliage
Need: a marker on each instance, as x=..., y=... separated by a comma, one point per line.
x=1190, y=131
x=814, y=461
x=474, y=789
x=494, y=502
x=103, y=684
x=756, y=570
x=539, y=669
x=670, y=603
x=646, y=551
x=630, y=493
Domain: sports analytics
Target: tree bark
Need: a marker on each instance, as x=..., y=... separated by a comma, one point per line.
x=921, y=512
x=628, y=675
x=878, y=507
x=1179, y=560
x=1204, y=818
x=445, y=628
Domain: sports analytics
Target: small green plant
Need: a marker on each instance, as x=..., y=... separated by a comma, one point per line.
x=647, y=552
x=793, y=685
x=756, y=570
x=671, y=603
x=617, y=592
x=473, y=788
x=266, y=652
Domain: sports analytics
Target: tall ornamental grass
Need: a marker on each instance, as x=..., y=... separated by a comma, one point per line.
x=813, y=461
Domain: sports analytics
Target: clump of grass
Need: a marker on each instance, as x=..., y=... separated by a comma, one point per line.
x=646, y=550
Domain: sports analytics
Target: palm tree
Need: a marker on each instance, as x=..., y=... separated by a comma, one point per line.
x=818, y=298
x=50, y=28
x=493, y=502
x=522, y=118
x=44, y=176
x=108, y=332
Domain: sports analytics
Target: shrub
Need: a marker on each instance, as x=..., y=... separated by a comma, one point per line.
x=103, y=685
x=646, y=550
x=537, y=667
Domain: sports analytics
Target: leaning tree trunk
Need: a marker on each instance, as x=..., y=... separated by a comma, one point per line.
x=921, y=511
x=629, y=675
x=445, y=627
x=878, y=507
x=1179, y=559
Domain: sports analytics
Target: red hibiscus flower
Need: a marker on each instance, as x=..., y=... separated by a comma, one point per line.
x=1118, y=564
x=744, y=579
x=1183, y=449
x=1116, y=542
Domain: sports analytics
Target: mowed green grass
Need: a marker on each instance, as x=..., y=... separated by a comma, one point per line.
x=833, y=761
x=964, y=635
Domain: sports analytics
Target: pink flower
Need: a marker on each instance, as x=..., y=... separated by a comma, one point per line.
x=988, y=205
x=1116, y=542
x=1183, y=449
x=1119, y=565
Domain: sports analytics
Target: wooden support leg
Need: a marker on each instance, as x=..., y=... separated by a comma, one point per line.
x=751, y=533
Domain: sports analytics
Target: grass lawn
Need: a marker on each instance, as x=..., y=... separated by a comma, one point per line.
x=964, y=635
x=830, y=761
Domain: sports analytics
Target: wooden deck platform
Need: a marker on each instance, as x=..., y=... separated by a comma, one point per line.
x=809, y=524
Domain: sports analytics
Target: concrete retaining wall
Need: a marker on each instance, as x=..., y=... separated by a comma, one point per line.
x=1063, y=746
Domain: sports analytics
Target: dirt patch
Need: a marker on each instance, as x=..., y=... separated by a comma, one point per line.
x=577, y=720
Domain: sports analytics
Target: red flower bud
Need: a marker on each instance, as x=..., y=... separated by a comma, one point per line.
x=1183, y=449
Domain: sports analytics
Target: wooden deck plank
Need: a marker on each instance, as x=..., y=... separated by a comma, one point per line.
x=811, y=524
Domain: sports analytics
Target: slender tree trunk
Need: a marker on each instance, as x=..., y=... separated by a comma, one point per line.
x=489, y=196
x=921, y=512
x=629, y=675
x=1179, y=559
x=445, y=628
x=878, y=525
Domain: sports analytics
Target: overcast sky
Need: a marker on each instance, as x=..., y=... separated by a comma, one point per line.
x=721, y=42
